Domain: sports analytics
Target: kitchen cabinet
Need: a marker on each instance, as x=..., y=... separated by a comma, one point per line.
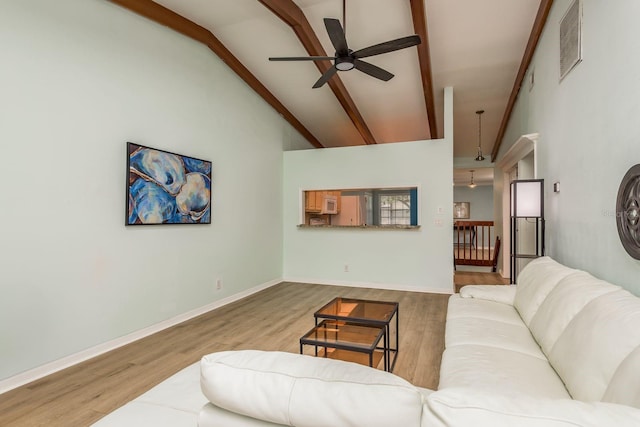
x=314, y=204
x=313, y=200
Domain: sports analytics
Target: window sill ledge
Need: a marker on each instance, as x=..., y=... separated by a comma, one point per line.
x=364, y=227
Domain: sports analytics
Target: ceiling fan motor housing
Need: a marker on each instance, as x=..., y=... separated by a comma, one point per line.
x=344, y=63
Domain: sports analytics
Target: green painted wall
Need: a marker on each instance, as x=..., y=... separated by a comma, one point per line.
x=480, y=199
x=78, y=79
x=418, y=260
x=589, y=135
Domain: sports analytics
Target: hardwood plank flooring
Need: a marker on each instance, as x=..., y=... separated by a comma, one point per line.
x=273, y=319
x=463, y=278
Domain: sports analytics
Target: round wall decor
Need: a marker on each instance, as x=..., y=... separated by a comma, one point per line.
x=628, y=211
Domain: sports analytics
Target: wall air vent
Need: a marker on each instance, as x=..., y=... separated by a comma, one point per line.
x=571, y=38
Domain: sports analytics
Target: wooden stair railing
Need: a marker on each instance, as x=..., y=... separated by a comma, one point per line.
x=471, y=244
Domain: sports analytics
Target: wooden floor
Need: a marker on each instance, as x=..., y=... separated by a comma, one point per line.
x=463, y=278
x=273, y=319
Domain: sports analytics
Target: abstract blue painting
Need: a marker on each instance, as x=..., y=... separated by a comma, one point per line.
x=166, y=188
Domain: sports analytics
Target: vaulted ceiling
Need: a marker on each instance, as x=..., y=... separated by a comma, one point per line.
x=481, y=48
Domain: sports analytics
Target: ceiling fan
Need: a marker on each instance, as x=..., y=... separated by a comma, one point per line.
x=346, y=59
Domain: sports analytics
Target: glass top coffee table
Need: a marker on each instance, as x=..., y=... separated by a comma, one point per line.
x=367, y=312
x=351, y=341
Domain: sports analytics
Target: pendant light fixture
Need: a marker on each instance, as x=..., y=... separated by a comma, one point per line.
x=480, y=157
x=472, y=184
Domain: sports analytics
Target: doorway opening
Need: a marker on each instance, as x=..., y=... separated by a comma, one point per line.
x=519, y=162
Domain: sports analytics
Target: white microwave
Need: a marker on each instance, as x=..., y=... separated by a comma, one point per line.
x=329, y=205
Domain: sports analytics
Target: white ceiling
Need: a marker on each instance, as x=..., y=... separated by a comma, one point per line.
x=476, y=47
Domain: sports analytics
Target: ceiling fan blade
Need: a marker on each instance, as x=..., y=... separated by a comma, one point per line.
x=373, y=70
x=325, y=77
x=303, y=58
x=336, y=34
x=389, y=46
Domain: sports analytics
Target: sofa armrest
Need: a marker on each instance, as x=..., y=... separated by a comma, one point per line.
x=497, y=293
x=306, y=391
x=454, y=407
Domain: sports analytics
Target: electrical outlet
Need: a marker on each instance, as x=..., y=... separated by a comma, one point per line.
x=218, y=284
x=346, y=268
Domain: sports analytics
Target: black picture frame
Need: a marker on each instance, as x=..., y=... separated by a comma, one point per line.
x=166, y=188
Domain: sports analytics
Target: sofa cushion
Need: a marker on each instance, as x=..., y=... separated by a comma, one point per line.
x=460, y=306
x=466, y=407
x=596, y=342
x=492, y=333
x=213, y=416
x=175, y=402
x=624, y=387
x=496, y=370
x=306, y=391
x=137, y=414
x=564, y=302
x=535, y=281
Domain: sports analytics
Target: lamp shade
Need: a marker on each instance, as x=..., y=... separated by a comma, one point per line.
x=527, y=198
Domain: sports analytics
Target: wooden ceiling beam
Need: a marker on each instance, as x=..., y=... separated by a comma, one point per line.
x=418, y=14
x=536, y=32
x=293, y=16
x=182, y=25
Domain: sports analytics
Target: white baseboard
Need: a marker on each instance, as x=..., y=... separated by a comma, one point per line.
x=73, y=359
x=387, y=286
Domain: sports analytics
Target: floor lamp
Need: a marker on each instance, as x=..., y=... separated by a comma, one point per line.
x=527, y=204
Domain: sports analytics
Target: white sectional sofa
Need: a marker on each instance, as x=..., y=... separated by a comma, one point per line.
x=561, y=348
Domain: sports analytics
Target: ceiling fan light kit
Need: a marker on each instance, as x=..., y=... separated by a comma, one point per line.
x=344, y=63
x=346, y=59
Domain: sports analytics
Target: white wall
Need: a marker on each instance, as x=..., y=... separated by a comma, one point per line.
x=78, y=79
x=589, y=134
x=396, y=259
